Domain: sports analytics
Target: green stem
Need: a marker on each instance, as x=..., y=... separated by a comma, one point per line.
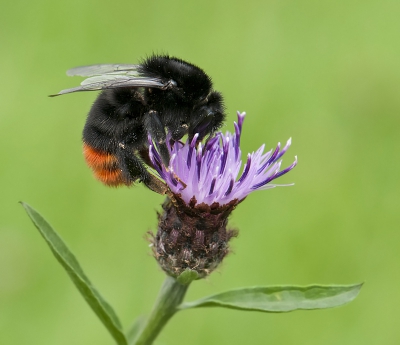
x=171, y=295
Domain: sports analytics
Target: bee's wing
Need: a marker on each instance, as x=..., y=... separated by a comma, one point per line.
x=114, y=81
x=92, y=70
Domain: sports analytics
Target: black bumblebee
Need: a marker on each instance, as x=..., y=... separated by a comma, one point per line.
x=160, y=95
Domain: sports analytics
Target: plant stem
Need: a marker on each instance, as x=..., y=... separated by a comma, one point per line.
x=171, y=295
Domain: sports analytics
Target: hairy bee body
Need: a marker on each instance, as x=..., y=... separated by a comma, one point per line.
x=161, y=95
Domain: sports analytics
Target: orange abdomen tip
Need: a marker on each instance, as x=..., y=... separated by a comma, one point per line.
x=105, y=166
x=98, y=159
x=111, y=178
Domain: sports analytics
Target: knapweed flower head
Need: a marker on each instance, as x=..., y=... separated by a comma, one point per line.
x=206, y=182
x=210, y=173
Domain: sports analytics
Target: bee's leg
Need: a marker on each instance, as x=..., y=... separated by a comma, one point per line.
x=156, y=130
x=134, y=169
x=156, y=185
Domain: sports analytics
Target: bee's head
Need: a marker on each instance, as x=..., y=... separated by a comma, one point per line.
x=207, y=116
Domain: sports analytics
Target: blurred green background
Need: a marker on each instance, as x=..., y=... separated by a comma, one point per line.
x=325, y=73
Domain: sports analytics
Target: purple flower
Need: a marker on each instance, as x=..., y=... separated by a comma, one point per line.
x=210, y=172
x=206, y=182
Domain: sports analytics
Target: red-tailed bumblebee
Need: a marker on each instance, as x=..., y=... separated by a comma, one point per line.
x=160, y=95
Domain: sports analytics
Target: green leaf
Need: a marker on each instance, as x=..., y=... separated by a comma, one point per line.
x=102, y=309
x=278, y=299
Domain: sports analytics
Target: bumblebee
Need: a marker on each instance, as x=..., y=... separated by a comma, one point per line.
x=162, y=98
